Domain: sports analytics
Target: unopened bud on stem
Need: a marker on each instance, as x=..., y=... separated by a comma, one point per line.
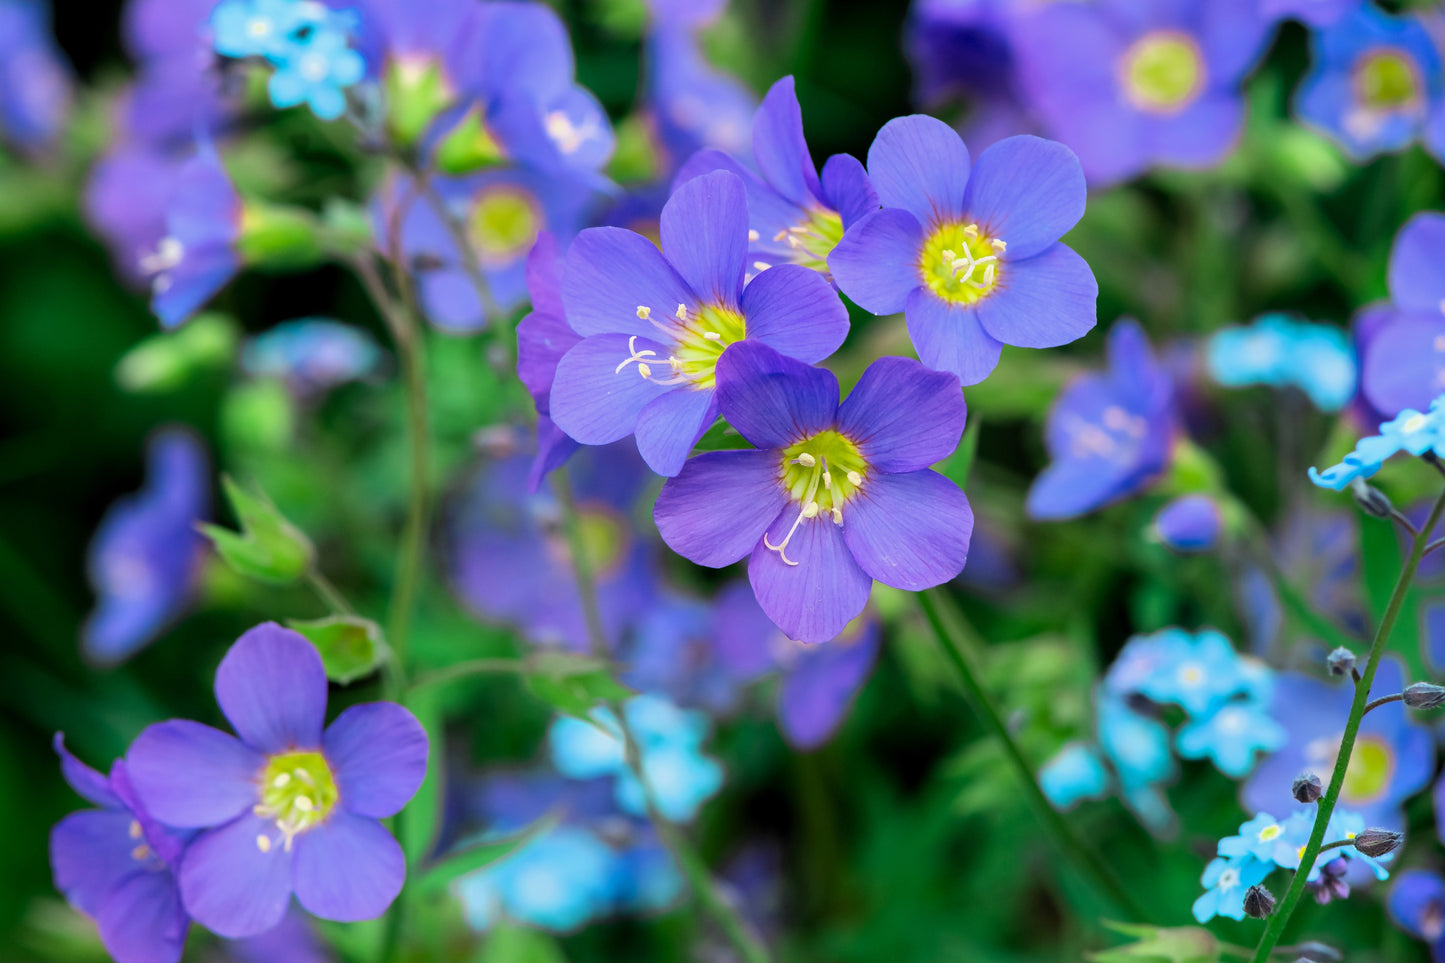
x=1258, y=902
x=1424, y=695
x=1378, y=842
x=1307, y=788
x=1341, y=661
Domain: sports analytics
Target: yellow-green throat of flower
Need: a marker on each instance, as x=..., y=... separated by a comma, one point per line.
x=298, y=792
x=698, y=340
x=821, y=474
x=961, y=263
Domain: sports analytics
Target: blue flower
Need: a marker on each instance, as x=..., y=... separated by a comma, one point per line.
x=1136, y=745
x=263, y=28
x=1190, y=523
x=35, y=80
x=1226, y=881
x=1264, y=838
x=1279, y=351
x=1417, y=905
x=1231, y=736
x=690, y=104
x=1108, y=435
x=1075, y=773
x=146, y=556
x=311, y=355
x=558, y=881
x=1199, y=673
x=1410, y=431
x=970, y=255
x=1373, y=83
x=317, y=72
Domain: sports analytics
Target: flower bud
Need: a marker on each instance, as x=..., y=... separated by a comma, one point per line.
x=1258, y=902
x=1378, y=842
x=1423, y=695
x=1307, y=788
x=1341, y=661
x=1371, y=500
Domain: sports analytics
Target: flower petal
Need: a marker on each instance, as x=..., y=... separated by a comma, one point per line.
x=815, y=696
x=91, y=785
x=1043, y=301
x=814, y=600
x=378, y=754
x=1073, y=487
x=910, y=531
x=1028, y=191
x=542, y=340
x=1405, y=364
x=920, y=164
x=795, y=311
x=773, y=400
x=190, y=775
x=948, y=337
x=272, y=688
x=451, y=300
x=719, y=505
x=610, y=273
x=348, y=869
x=594, y=402
x=876, y=263
x=671, y=424
x=90, y=854
x=705, y=236
x=232, y=887
x=903, y=416
x=1417, y=264
x=847, y=189
x=1199, y=136
x=779, y=147
x=143, y=920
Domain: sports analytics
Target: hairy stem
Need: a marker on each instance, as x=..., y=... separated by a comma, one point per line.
x=1281, y=916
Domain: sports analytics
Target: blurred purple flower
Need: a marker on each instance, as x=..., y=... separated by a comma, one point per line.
x=35, y=79
x=1190, y=523
x=312, y=355
x=543, y=337
x=1417, y=905
x=1404, y=361
x=198, y=254
x=690, y=104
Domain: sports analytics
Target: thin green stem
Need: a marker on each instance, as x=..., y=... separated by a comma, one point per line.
x=328, y=593
x=1384, y=700
x=1286, y=908
x=1066, y=839
x=465, y=670
x=709, y=894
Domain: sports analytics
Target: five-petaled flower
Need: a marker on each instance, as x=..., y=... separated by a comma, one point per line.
x=972, y=258
x=284, y=808
x=654, y=325
x=835, y=496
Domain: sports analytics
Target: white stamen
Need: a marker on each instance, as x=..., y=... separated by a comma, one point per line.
x=140, y=852
x=998, y=244
x=837, y=516
x=855, y=479
x=643, y=312
x=281, y=780
x=971, y=231
x=761, y=265
x=304, y=804
x=682, y=312
x=642, y=367
x=780, y=235
x=753, y=235
x=712, y=335
x=805, y=459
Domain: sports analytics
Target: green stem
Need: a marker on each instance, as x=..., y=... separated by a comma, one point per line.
x=737, y=930
x=463, y=670
x=1281, y=916
x=1075, y=848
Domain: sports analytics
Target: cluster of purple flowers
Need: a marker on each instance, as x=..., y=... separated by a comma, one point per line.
x=197, y=824
x=1226, y=700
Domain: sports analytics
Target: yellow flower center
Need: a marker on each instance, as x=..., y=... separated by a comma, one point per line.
x=1372, y=764
x=1387, y=80
x=505, y=221
x=813, y=240
x=821, y=474
x=1163, y=71
x=298, y=792
x=960, y=262
x=1270, y=833
x=698, y=340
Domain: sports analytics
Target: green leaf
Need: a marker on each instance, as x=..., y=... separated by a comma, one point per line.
x=721, y=437
x=166, y=361
x=268, y=548
x=513, y=944
x=1182, y=944
x=574, y=690
x=351, y=647
x=468, y=859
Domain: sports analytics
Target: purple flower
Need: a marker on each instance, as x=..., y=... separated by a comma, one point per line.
x=1417, y=905
x=125, y=202
x=1130, y=85
x=293, y=940
x=35, y=80
x=674, y=650
x=1108, y=434
x=1393, y=758
x=1191, y=523
x=503, y=212
x=835, y=496
x=1374, y=81
x=177, y=93
x=116, y=865
x=146, y=555
x=1404, y=360
x=972, y=258
x=285, y=808
x=1316, y=13
x=690, y=104
x=655, y=324
x=794, y=216
x=819, y=681
x=543, y=337
x=509, y=559
x=198, y=255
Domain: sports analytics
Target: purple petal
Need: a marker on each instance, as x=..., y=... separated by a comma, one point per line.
x=876, y=263
x=554, y=447
x=768, y=211
x=815, y=696
x=847, y=189
x=1042, y=302
x=272, y=688
x=747, y=642
x=1417, y=264
x=90, y=854
x=1073, y=487
x=542, y=340
x=191, y=775
x=1405, y=364
x=719, y=505
x=795, y=311
x=611, y=272
x=815, y=599
x=348, y=869
x=544, y=276
x=949, y=337
x=779, y=147
x=1028, y=191
x=378, y=754
x=91, y=785
x=705, y=236
x=143, y=920
x=594, y=402
x=230, y=886
x=451, y=300
x=903, y=416
x=919, y=163
x=671, y=424
x=773, y=400
x=910, y=531
x=1201, y=135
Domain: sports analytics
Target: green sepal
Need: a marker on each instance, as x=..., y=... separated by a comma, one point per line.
x=573, y=684
x=351, y=647
x=416, y=94
x=347, y=229
x=274, y=236
x=469, y=147
x=164, y=362
x=268, y=548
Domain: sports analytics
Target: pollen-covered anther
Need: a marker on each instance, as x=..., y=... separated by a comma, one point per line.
x=712, y=336
x=682, y=312
x=135, y=829
x=855, y=479
x=644, y=313
x=805, y=459
x=140, y=853
x=753, y=235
